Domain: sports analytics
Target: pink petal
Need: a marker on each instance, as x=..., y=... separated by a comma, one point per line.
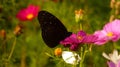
x=118, y=64
x=89, y=39
x=102, y=39
x=23, y=13
x=111, y=64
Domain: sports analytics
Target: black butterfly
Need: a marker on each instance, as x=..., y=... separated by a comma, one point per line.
x=53, y=31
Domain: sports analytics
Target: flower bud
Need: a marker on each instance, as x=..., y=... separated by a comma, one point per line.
x=78, y=15
x=117, y=5
x=3, y=34
x=58, y=52
x=117, y=12
x=112, y=17
x=112, y=3
x=18, y=30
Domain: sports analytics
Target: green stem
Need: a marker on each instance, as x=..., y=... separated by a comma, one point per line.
x=83, y=54
x=115, y=45
x=90, y=47
x=12, y=49
x=80, y=65
x=83, y=57
x=13, y=2
x=80, y=27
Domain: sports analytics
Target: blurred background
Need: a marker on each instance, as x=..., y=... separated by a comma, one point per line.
x=27, y=49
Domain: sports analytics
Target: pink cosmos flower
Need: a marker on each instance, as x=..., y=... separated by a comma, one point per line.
x=111, y=31
x=74, y=40
x=28, y=13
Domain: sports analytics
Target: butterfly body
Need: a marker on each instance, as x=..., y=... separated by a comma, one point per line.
x=53, y=31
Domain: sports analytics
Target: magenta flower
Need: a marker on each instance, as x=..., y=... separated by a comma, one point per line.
x=71, y=41
x=28, y=13
x=89, y=39
x=111, y=31
x=74, y=47
x=85, y=38
x=81, y=35
x=74, y=40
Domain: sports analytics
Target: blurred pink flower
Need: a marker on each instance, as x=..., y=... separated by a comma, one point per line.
x=114, y=59
x=28, y=13
x=111, y=64
x=111, y=31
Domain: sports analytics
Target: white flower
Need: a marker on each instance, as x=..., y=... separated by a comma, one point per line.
x=114, y=57
x=70, y=57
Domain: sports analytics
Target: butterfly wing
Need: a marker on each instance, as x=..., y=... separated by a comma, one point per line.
x=53, y=31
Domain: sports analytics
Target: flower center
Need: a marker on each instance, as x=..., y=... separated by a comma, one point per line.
x=29, y=16
x=79, y=37
x=110, y=34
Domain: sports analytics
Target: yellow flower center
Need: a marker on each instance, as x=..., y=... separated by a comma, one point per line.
x=110, y=34
x=30, y=16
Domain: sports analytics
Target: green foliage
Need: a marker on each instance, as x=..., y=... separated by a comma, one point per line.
x=31, y=49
